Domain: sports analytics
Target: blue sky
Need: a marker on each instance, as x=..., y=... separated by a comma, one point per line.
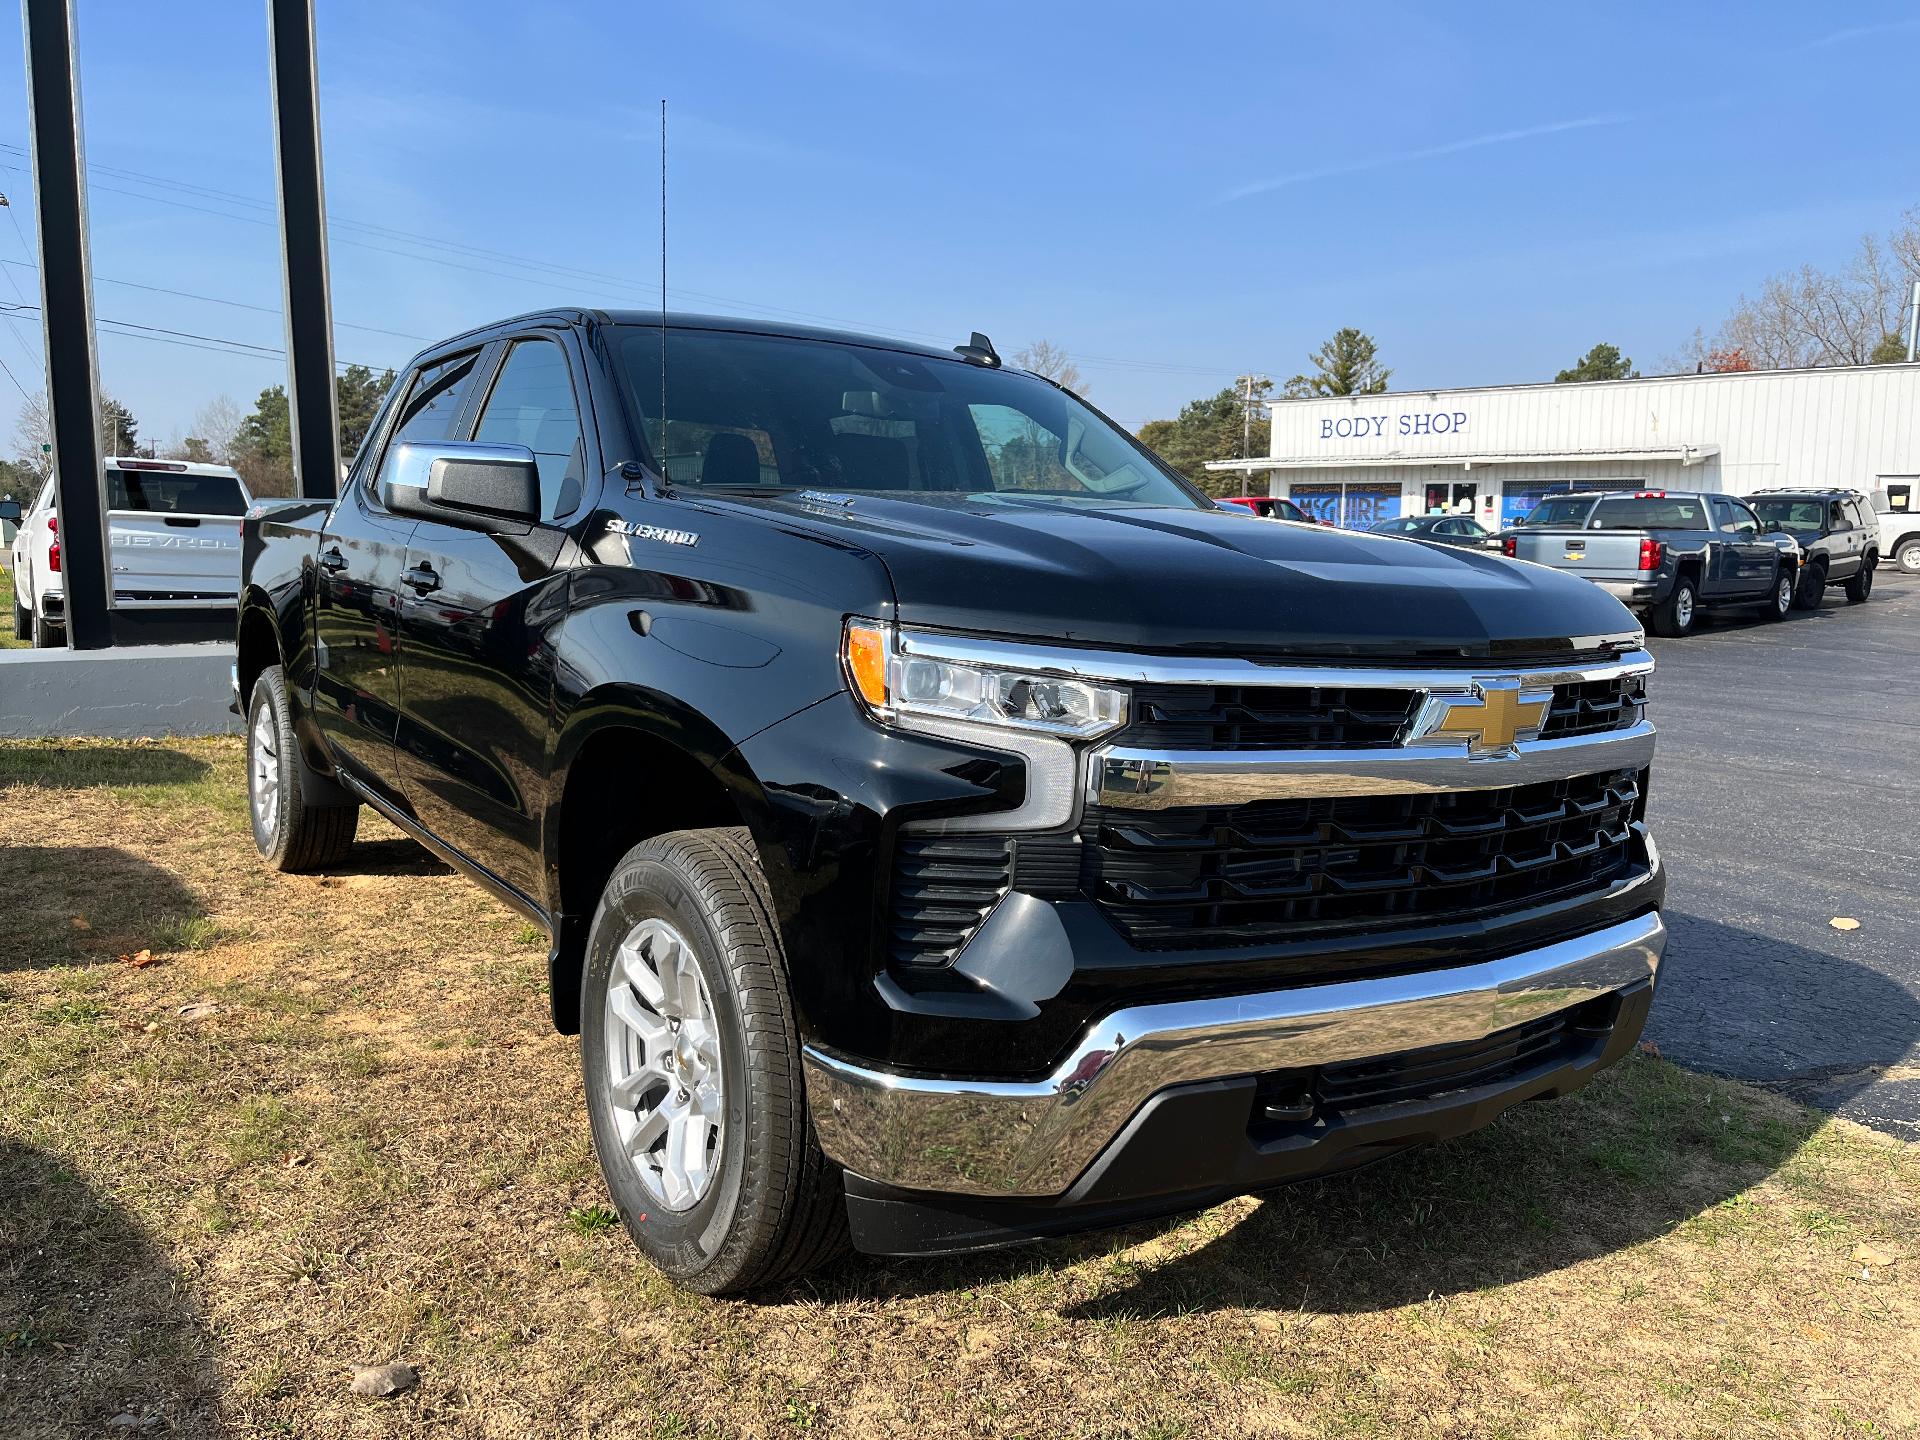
x=1173, y=194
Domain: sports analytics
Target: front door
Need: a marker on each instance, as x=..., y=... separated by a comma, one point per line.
x=479, y=600
x=362, y=554
x=1743, y=560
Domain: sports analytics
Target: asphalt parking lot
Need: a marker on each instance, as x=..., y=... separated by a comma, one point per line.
x=1786, y=792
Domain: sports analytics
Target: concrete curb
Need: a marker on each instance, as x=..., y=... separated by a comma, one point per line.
x=123, y=694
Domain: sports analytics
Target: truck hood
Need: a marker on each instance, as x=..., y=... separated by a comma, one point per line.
x=1166, y=580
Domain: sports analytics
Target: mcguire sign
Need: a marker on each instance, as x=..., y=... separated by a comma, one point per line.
x=1378, y=427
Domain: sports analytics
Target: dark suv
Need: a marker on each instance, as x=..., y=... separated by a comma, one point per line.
x=952, y=827
x=1840, y=533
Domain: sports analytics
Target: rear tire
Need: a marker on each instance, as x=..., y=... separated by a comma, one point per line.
x=1861, y=585
x=47, y=635
x=1780, y=603
x=687, y=1014
x=291, y=833
x=1675, y=616
x=1812, y=588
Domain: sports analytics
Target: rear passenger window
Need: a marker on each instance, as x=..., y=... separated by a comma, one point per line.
x=532, y=405
x=433, y=403
x=1650, y=513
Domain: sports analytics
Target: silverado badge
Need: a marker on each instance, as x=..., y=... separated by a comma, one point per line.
x=654, y=532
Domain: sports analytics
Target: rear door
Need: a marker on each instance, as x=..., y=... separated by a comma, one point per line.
x=1848, y=541
x=357, y=586
x=478, y=599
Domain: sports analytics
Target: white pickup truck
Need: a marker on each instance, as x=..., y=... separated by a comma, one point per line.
x=173, y=533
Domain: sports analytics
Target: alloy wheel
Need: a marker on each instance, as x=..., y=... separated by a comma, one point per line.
x=1683, y=608
x=664, y=1063
x=264, y=762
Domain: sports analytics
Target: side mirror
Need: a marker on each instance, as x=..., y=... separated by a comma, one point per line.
x=10, y=511
x=1746, y=532
x=1773, y=527
x=463, y=482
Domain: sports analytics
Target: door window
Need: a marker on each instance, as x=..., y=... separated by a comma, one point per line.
x=1837, y=517
x=532, y=404
x=1725, y=519
x=433, y=403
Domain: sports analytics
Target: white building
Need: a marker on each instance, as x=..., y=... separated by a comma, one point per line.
x=1498, y=449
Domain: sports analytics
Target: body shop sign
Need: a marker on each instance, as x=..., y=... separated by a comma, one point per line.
x=1379, y=427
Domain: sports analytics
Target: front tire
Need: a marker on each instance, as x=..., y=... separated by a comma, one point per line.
x=1860, y=586
x=1674, y=616
x=1781, y=602
x=1908, y=557
x=290, y=832
x=693, y=1071
x=1812, y=589
x=22, y=617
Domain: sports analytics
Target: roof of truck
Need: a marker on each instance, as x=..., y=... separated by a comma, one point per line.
x=685, y=320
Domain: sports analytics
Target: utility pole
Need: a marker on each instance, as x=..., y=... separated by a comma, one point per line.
x=1913, y=324
x=1248, y=405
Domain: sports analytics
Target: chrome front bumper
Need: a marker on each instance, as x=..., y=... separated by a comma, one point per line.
x=1034, y=1138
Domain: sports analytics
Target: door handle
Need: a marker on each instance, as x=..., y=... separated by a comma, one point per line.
x=332, y=560
x=422, y=578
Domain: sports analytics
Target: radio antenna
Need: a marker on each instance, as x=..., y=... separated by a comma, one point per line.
x=664, y=478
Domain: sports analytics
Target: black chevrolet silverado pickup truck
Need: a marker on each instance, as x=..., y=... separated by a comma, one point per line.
x=952, y=828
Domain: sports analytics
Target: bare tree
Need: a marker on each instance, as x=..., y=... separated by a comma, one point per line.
x=1043, y=357
x=1811, y=316
x=32, y=435
x=215, y=424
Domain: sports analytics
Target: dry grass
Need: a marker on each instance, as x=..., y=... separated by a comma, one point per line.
x=373, y=1149
x=7, y=640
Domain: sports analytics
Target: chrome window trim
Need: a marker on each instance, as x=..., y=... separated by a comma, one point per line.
x=1111, y=665
x=1037, y=1137
x=1131, y=778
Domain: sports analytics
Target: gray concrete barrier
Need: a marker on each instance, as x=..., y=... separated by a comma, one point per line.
x=148, y=690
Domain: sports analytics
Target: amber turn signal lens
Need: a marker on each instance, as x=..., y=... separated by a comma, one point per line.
x=866, y=656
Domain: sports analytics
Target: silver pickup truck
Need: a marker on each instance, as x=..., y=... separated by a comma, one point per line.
x=1666, y=554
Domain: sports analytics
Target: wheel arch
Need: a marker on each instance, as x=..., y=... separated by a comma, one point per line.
x=630, y=764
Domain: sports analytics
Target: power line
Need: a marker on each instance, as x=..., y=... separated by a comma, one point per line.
x=218, y=300
x=188, y=338
x=617, y=285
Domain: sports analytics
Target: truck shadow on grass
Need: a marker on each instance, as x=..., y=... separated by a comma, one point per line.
x=66, y=765
x=94, y=1323
x=1649, y=1147
x=69, y=904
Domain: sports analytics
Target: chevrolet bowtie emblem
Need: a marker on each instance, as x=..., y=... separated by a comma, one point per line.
x=1493, y=718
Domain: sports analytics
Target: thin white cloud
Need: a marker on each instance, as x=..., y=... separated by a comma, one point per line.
x=1430, y=152
x=1863, y=32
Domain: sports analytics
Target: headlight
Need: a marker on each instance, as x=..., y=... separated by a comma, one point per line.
x=899, y=679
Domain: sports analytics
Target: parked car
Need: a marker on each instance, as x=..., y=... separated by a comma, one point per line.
x=1441, y=529
x=173, y=538
x=951, y=827
x=1269, y=507
x=1838, y=532
x=1666, y=553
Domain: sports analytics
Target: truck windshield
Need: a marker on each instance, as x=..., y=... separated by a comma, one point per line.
x=1649, y=512
x=1804, y=516
x=160, y=493
x=773, y=413
x=1560, y=510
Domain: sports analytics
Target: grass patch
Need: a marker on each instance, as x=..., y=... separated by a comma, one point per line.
x=364, y=1142
x=7, y=639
